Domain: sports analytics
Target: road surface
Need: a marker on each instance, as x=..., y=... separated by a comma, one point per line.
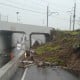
x=35, y=73
x=18, y=74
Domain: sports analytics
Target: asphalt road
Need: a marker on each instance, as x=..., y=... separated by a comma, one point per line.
x=18, y=74
x=35, y=73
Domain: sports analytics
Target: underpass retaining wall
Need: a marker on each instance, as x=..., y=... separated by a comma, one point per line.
x=10, y=68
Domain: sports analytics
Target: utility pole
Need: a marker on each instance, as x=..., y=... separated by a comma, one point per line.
x=70, y=20
x=74, y=16
x=47, y=15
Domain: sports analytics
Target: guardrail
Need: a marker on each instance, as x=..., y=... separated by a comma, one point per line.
x=10, y=68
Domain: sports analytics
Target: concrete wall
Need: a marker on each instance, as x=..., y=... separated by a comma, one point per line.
x=23, y=27
x=10, y=68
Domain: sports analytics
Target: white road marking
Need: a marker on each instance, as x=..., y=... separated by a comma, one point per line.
x=23, y=77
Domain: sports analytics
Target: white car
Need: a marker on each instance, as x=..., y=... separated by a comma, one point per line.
x=18, y=46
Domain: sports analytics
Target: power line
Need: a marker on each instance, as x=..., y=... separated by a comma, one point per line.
x=13, y=2
x=9, y=5
x=23, y=4
x=38, y=3
x=32, y=1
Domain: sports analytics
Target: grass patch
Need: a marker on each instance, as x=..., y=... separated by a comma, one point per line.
x=73, y=33
x=46, y=48
x=55, y=59
x=69, y=39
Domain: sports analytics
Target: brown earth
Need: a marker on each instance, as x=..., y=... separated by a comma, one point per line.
x=64, y=49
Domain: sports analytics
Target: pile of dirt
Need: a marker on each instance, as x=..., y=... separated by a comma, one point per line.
x=64, y=49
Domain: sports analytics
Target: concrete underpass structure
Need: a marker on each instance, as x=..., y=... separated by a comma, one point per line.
x=19, y=33
x=28, y=29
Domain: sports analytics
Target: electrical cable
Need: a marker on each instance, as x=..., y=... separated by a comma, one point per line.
x=9, y=5
x=23, y=4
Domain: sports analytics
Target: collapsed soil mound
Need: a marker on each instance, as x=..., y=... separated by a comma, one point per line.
x=63, y=49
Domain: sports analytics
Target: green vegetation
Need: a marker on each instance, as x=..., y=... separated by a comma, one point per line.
x=55, y=59
x=72, y=40
x=73, y=33
x=46, y=48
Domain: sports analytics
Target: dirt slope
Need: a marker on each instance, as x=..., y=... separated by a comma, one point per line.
x=63, y=49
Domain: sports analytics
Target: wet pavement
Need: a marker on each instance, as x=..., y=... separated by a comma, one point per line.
x=35, y=73
x=18, y=74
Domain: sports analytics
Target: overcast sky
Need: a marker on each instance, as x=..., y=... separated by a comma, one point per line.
x=34, y=12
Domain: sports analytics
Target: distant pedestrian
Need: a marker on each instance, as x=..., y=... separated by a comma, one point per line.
x=27, y=53
x=32, y=54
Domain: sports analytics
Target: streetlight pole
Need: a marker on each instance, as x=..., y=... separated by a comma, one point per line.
x=17, y=16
